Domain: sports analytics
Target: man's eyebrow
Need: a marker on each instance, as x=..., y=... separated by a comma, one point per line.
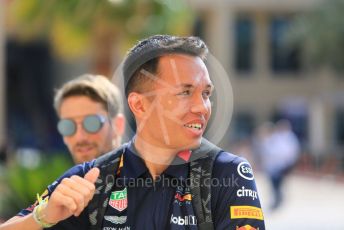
x=186, y=85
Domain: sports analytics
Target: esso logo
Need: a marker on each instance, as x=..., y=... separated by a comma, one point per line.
x=245, y=171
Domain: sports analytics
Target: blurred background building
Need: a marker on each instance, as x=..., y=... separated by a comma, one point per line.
x=272, y=78
x=285, y=60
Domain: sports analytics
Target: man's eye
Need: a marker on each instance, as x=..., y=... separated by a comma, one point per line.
x=184, y=93
x=206, y=93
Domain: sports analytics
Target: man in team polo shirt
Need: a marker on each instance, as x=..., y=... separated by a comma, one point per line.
x=156, y=183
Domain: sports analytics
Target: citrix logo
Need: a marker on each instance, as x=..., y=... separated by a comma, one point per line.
x=244, y=192
x=187, y=220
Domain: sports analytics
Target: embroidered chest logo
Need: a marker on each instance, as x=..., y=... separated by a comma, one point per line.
x=118, y=200
x=116, y=219
x=182, y=196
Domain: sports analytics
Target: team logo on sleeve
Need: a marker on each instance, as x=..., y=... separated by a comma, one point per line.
x=245, y=171
x=118, y=200
x=248, y=212
x=245, y=192
x=246, y=227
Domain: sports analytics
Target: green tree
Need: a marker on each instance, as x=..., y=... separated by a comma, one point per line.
x=20, y=185
x=96, y=27
x=321, y=33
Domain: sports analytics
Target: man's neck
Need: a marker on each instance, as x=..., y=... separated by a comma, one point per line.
x=157, y=159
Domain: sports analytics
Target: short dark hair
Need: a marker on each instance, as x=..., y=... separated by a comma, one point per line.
x=145, y=56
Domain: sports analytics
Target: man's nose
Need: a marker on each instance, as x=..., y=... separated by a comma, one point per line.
x=80, y=132
x=200, y=105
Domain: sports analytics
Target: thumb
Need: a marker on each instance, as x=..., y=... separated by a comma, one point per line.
x=92, y=175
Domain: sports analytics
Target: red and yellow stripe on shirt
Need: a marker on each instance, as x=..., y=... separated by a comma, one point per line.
x=249, y=212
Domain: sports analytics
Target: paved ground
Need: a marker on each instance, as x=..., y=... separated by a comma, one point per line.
x=310, y=203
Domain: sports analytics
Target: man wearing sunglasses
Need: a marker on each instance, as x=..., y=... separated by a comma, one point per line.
x=91, y=122
x=158, y=180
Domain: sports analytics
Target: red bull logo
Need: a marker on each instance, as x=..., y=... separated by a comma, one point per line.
x=182, y=198
x=246, y=227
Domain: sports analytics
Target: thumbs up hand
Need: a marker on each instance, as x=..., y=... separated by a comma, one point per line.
x=70, y=197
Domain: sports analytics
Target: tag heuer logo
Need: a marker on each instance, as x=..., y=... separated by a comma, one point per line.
x=118, y=200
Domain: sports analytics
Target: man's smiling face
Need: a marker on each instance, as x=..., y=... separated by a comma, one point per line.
x=179, y=103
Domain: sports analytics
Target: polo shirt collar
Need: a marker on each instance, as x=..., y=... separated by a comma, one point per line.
x=135, y=167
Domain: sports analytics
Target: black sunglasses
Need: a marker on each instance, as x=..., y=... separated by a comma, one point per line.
x=91, y=124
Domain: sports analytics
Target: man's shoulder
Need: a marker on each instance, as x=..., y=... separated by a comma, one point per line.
x=228, y=164
x=224, y=158
x=223, y=161
x=110, y=157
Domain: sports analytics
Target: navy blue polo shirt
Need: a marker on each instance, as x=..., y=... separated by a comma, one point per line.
x=138, y=202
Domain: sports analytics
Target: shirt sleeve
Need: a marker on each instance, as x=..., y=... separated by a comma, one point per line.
x=79, y=170
x=235, y=199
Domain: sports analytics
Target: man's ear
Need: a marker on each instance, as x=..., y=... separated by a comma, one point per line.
x=136, y=104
